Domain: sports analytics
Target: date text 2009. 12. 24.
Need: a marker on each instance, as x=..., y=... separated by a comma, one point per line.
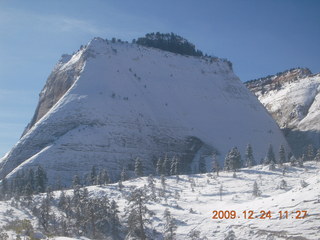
x=262, y=214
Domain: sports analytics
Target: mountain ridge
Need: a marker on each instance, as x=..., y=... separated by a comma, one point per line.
x=292, y=98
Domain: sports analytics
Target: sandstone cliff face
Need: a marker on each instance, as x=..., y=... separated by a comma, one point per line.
x=112, y=102
x=293, y=99
x=58, y=83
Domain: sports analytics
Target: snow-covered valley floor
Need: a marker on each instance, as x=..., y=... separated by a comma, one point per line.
x=192, y=199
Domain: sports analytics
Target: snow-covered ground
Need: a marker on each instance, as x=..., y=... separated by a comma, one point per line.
x=201, y=193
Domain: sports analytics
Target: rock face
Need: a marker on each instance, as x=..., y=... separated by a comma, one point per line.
x=58, y=83
x=112, y=102
x=293, y=99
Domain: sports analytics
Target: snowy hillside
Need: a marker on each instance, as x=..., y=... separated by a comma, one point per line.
x=191, y=201
x=293, y=99
x=112, y=102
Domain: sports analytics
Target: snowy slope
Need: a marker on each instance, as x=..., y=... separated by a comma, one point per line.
x=125, y=101
x=293, y=99
x=237, y=196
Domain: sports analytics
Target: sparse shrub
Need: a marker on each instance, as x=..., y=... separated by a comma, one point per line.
x=21, y=227
x=283, y=184
x=194, y=234
x=256, y=192
x=230, y=236
x=303, y=184
x=3, y=235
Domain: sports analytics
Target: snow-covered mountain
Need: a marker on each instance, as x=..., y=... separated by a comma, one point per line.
x=293, y=99
x=112, y=102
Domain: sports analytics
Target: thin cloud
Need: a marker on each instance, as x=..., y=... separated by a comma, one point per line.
x=65, y=24
x=18, y=19
x=15, y=20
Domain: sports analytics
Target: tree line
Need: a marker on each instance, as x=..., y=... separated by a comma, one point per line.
x=34, y=180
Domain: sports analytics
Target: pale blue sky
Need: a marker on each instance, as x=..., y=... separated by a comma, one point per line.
x=259, y=37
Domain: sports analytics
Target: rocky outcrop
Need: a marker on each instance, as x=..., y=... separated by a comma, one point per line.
x=293, y=99
x=58, y=83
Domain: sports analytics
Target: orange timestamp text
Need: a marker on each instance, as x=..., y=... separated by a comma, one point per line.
x=262, y=214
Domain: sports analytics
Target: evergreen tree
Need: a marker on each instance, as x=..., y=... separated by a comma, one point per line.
x=170, y=227
x=256, y=192
x=284, y=170
x=172, y=167
x=293, y=161
x=230, y=236
x=62, y=203
x=282, y=155
x=317, y=157
x=162, y=192
x=234, y=175
x=194, y=234
x=159, y=168
x=89, y=207
x=114, y=219
x=289, y=156
x=272, y=166
x=151, y=185
x=41, y=179
x=138, y=214
x=270, y=158
x=4, y=188
x=166, y=166
x=303, y=183
x=28, y=191
x=227, y=162
x=120, y=185
x=138, y=168
x=202, y=165
x=176, y=194
x=192, y=184
x=249, y=159
x=169, y=42
x=76, y=181
x=283, y=184
x=215, y=164
x=309, y=153
x=175, y=166
x=233, y=160
x=31, y=181
x=103, y=177
x=3, y=235
x=93, y=176
x=76, y=198
x=301, y=160
x=176, y=169
x=20, y=179
x=58, y=183
x=45, y=210
x=99, y=179
x=124, y=175
x=220, y=192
